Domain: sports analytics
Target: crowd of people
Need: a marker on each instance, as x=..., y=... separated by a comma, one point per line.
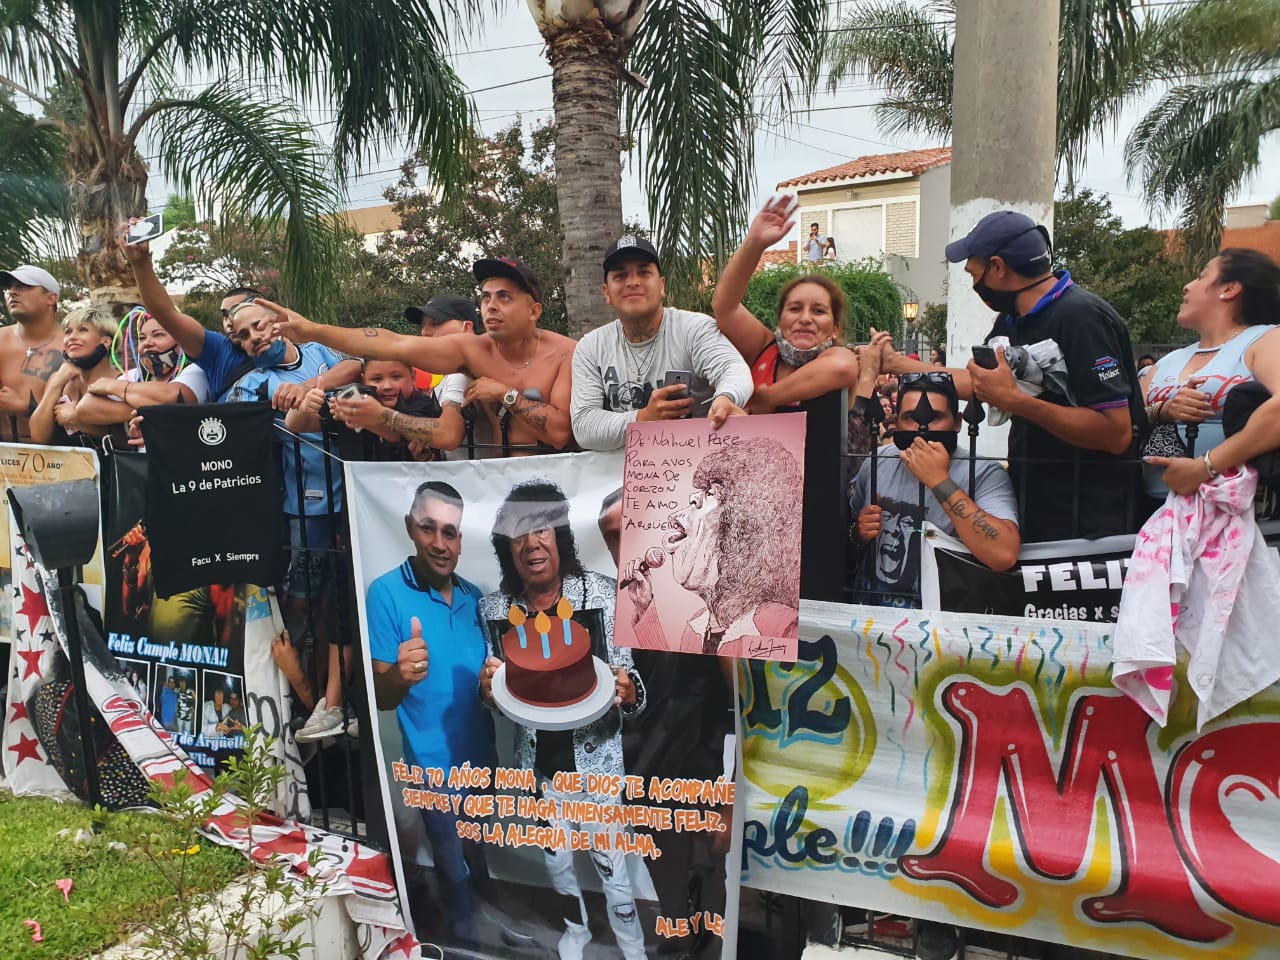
x=1094, y=442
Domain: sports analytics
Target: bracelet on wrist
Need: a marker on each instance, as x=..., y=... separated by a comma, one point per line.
x=1208, y=466
x=942, y=491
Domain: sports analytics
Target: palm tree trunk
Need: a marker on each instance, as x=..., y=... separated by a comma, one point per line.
x=588, y=161
x=107, y=187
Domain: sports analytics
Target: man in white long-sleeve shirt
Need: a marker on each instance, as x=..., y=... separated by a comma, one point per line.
x=654, y=362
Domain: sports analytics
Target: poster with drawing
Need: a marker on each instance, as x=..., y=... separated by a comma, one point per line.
x=548, y=792
x=711, y=537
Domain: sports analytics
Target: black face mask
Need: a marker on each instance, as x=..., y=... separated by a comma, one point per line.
x=1001, y=301
x=902, y=439
x=923, y=415
x=92, y=360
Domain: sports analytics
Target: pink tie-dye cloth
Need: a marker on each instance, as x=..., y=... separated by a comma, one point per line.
x=1201, y=578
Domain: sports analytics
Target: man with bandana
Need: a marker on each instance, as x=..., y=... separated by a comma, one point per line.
x=922, y=476
x=654, y=362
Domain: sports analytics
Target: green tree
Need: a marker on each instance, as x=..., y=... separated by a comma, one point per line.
x=1202, y=139
x=909, y=48
x=107, y=77
x=1133, y=270
x=871, y=297
x=696, y=79
x=33, y=197
x=506, y=208
x=180, y=210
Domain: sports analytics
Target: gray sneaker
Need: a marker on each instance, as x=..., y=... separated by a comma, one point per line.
x=325, y=721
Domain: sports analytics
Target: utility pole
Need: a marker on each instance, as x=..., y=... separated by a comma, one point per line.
x=1003, y=152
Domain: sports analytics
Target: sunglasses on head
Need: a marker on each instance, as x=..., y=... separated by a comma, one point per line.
x=928, y=376
x=228, y=311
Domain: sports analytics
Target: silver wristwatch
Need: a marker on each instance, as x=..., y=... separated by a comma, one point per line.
x=508, y=401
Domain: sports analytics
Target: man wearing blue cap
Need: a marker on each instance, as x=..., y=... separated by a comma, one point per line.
x=1071, y=456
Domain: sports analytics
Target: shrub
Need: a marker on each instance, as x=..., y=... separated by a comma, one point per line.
x=872, y=296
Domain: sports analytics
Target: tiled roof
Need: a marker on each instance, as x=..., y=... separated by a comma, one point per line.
x=911, y=163
x=772, y=258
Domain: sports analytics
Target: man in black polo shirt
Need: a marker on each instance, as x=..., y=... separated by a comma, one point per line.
x=1071, y=457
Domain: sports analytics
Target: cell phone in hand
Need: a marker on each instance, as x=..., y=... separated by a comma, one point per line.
x=348, y=392
x=985, y=357
x=148, y=228
x=682, y=377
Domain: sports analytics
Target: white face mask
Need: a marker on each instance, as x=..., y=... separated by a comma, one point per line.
x=795, y=357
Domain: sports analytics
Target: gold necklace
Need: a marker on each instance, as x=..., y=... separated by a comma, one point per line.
x=537, y=345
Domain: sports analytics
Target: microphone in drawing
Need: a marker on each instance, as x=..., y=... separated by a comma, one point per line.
x=653, y=558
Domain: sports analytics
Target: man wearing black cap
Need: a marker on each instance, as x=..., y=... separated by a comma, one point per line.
x=1070, y=455
x=520, y=374
x=924, y=452
x=445, y=315
x=32, y=348
x=654, y=362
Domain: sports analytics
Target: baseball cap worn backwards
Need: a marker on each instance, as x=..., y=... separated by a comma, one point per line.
x=30, y=276
x=442, y=309
x=1017, y=239
x=629, y=245
x=511, y=269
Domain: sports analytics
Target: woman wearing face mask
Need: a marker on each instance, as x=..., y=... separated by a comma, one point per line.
x=156, y=371
x=805, y=358
x=86, y=346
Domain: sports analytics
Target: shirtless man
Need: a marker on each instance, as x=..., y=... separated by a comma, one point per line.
x=520, y=373
x=31, y=350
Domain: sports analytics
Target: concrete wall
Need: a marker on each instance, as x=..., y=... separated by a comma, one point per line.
x=925, y=274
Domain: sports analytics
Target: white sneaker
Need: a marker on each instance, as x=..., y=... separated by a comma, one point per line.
x=573, y=941
x=325, y=721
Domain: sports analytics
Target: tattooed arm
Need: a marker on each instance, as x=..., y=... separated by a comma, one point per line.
x=550, y=421
x=437, y=354
x=444, y=432
x=994, y=541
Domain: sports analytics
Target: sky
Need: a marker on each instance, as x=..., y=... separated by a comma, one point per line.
x=841, y=127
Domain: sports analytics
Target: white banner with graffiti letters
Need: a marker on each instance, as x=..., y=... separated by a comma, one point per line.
x=983, y=771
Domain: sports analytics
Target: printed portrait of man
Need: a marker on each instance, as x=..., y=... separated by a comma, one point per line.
x=737, y=546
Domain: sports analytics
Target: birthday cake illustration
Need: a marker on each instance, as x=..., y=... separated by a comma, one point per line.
x=549, y=677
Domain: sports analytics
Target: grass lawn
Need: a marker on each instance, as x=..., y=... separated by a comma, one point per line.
x=114, y=892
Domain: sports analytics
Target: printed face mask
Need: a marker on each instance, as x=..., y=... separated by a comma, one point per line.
x=794, y=356
x=273, y=356
x=162, y=364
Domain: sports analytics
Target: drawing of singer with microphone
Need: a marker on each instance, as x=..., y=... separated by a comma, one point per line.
x=737, y=546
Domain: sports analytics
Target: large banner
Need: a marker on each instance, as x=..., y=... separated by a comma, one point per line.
x=982, y=771
x=548, y=791
x=200, y=659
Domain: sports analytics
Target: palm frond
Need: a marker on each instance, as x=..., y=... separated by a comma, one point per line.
x=715, y=70
x=1098, y=70
x=382, y=65
x=1197, y=145
x=269, y=170
x=33, y=189
x=907, y=50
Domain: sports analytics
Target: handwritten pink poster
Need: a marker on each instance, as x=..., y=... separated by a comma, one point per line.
x=710, y=554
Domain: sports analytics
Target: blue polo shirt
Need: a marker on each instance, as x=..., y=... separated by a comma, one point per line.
x=441, y=718
x=222, y=362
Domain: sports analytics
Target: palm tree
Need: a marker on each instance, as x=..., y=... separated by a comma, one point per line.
x=909, y=50
x=31, y=194
x=107, y=74
x=1201, y=140
x=705, y=75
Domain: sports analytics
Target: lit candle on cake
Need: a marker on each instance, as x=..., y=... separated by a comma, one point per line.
x=516, y=617
x=542, y=623
x=564, y=610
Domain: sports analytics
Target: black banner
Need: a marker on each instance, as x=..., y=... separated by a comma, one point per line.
x=214, y=501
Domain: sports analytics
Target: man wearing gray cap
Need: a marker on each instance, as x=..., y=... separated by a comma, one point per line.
x=31, y=350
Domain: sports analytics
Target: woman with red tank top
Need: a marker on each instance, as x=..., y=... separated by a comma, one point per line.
x=806, y=357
